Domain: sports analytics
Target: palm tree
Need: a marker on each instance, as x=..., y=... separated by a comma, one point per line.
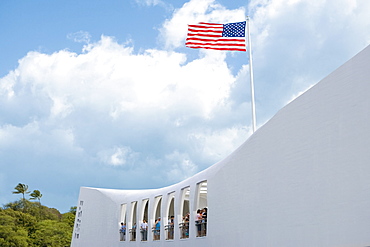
x=21, y=189
x=36, y=194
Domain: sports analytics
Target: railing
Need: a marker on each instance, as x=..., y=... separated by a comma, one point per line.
x=169, y=229
x=156, y=233
x=144, y=235
x=122, y=236
x=132, y=233
x=201, y=226
x=184, y=230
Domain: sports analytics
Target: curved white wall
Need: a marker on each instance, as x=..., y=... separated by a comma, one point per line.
x=301, y=180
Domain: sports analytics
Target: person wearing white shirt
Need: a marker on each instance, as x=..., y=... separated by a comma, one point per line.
x=144, y=230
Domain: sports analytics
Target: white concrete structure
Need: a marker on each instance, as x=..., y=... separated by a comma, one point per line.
x=302, y=179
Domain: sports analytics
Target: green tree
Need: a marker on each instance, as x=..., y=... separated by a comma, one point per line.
x=20, y=219
x=24, y=223
x=73, y=210
x=21, y=189
x=35, y=209
x=69, y=217
x=51, y=233
x=36, y=194
x=12, y=233
x=17, y=205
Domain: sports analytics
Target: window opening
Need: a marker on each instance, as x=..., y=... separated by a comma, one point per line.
x=185, y=211
x=202, y=209
x=132, y=230
x=156, y=229
x=122, y=229
x=144, y=223
x=169, y=228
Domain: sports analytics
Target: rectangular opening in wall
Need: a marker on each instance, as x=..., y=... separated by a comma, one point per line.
x=185, y=213
x=170, y=215
x=144, y=220
x=133, y=221
x=122, y=222
x=201, y=209
x=156, y=229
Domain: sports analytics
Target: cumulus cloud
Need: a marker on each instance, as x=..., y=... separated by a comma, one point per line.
x=299, y=42
x=119, y=112
x=118, y=156
x=219, y=143
x=80, y=37
x=108, y=115
x=181, y=166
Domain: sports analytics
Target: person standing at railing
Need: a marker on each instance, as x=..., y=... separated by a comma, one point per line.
x=186, y=223
x=204, y=221
x=171, y=223
x=184, y=226
x=144, y=230
x=133, y=232
x=122, y=232
x=157, y=229
x=198, y=222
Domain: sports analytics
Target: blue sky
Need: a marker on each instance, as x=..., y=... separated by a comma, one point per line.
x=105, y=94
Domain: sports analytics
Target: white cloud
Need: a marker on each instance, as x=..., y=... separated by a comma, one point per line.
x=218, y=144
x=118, y=156
x=6, y=85
x=60, y=107
x=38, y=139
x=181, y=166
x=80, y=37
x=150, y=2
x=108, y=115
x=120, y=108
x=110, y=78
x=297, y=43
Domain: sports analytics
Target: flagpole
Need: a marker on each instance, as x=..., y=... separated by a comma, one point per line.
x=251, y=78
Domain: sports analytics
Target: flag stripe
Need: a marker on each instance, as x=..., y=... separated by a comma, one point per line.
x=203, y=35
x=218, y=48
x=196, y=31
x=216, y=36
x=214, y=43
x=241, y=41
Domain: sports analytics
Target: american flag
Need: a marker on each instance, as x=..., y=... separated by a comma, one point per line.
x=230, y=36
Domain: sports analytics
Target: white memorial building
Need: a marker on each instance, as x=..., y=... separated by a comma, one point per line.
x=302, y=179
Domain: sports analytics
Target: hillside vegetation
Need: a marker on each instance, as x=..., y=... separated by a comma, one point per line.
x=26, y=223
